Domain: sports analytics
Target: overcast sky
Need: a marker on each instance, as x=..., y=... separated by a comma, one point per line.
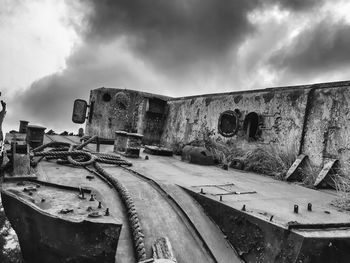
x=54, y=51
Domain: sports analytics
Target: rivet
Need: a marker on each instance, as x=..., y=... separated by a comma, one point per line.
x=296, y=209
x=243, y=208
x=99, y=204
x=92, y=198
x=220, y=198
x=309, y=207
x=202, y=192
x=107, y=212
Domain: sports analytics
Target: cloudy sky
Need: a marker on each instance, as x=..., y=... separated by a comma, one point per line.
x=54, y=51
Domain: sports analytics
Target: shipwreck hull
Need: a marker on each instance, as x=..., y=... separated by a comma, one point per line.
x=44, y=237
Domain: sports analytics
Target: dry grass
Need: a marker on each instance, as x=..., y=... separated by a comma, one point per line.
x=309, y=174
x=223, y=152
x=342, y=186
x=270, y=160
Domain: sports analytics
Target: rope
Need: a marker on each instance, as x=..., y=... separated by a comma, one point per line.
x=76, y=156
x=135, y=225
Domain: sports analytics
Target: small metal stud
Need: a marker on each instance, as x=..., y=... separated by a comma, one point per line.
x=220, y=198
x=296, y=209
x=202, y=192
x=107, y=212
x=309, y=207
x=92, y=198
x=99, y=205
x=243, y=208
x=271, y=217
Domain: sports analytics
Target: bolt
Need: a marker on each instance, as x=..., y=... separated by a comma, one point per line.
x=202, y=192
x=99, y=205
x=243, y=208
x=309, y=207
x=92, y=198
x=296, y=209
x=271, y=218
x=146, y=157
x=81, y=193
x=107, y=212
x=220, y=198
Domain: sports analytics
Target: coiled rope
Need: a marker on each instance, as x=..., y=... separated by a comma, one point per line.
x=66, y=153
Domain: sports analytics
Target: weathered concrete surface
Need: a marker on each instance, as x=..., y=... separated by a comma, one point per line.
x=251, y=232
x=309, y=119
x=272, y=197
x=126, y=110
x=280, y=114
x=160, y=219
x=45, y=236
x=327, y=132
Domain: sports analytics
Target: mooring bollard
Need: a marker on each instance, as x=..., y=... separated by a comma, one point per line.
x=23, y=126
x=133, y=145
x=35, y=135
x=120, y=141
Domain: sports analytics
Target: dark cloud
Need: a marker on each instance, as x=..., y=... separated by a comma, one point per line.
x=166, y=47
x=324, y=46
x=172, y=34
x=176, y=36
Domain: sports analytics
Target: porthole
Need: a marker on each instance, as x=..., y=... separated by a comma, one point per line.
x=106, y=97
x=228, y=123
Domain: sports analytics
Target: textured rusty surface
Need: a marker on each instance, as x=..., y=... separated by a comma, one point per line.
x=45, y=237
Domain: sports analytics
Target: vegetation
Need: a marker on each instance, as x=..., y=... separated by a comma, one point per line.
x=342, y=184
x=270, y=160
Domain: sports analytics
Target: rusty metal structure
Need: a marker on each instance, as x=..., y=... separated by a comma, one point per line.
x=146, y=204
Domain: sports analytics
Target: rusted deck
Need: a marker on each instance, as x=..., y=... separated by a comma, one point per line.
x=164, y=211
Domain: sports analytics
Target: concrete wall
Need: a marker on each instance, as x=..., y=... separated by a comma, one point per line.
x=327, y=130
x=126, y=110
x=310, y=119
x=280, y=111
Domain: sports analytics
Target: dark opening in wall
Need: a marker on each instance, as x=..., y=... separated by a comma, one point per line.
x=106, y=97
x=228, y=123
x=250, y=125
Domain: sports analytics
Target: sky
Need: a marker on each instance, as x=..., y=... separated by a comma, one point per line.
x=54, y=51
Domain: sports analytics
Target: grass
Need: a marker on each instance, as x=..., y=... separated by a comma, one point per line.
x=309, y=174
x=342, y=186
x=269, y=160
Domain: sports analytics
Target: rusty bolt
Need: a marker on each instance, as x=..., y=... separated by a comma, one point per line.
x=309, y=207
x=243, y=208
x=99, y=204
x=92, y=198
x=296, y=209
x=107, y=212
